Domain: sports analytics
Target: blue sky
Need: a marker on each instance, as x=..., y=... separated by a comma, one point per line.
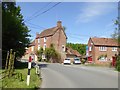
x=81, y=19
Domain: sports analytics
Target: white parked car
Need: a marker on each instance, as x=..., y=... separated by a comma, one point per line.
x=77, y=61
x=67, y=61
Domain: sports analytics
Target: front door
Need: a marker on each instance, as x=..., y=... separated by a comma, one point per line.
x=113, y=61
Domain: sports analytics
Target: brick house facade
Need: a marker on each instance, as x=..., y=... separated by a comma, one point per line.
x=102, y=50
x=55, y=36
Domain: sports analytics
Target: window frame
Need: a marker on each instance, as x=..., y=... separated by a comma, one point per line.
x=38, y=40
x=45, y=39
x=102, y=48
x=103, y=60
x=38, y=47
x=114, y=48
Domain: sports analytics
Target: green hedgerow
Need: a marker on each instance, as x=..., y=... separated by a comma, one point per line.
x=118, y=63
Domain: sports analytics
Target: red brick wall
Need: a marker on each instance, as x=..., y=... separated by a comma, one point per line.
x=96, y=53
x=91, y=53
x=59, y=39
x=109, y=53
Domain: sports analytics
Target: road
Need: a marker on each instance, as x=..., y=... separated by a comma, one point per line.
x=76, y=76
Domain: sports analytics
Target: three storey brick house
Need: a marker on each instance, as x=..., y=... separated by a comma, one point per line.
x=55, y=36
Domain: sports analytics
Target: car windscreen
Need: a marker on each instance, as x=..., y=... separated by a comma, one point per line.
x=67, y=59
x=77, y=59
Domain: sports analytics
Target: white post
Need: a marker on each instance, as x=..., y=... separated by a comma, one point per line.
x=29, y=67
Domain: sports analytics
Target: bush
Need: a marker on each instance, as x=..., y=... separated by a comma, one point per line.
x=83, y=61
x=118, y=63
x=39, y=58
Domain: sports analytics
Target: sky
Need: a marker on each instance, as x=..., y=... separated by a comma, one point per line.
x=81, y=19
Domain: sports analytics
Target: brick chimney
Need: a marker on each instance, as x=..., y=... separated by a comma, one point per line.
x=59, y=24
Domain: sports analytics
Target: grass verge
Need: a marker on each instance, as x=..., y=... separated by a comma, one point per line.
x=98, y=65
x=19, y=81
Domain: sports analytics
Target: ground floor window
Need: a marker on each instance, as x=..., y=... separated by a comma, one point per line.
x=103, y=59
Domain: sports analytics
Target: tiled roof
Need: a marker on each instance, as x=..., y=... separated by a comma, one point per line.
x=51, y=31
x=33, y=43
x=70, y=51
x=48, y=32
x=104, y=41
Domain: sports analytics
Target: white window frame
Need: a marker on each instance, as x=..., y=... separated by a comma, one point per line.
x=32, y=48
x=38, y=40
x=45, y=39
x=38, y=47
x=114, y=48
x=90, y=48
x=44, y=47
x=103, y=59
x=63, y=48
x=102, y=48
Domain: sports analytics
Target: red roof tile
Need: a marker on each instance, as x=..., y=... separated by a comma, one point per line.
x=104, y=41
x=48, y=32
x=72, y=52
x=32, y=43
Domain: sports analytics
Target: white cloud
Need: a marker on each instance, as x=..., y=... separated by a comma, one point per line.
x=94, y=10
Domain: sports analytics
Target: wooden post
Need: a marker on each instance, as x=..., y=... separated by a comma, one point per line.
x=9, y=66
x=6, y=66
x=12, y=66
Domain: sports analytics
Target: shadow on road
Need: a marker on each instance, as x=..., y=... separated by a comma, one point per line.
x=42, y=65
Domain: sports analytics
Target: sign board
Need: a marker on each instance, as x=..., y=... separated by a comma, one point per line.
x=87, y=52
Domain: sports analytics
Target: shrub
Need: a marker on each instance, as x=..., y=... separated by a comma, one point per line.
x=118, y=63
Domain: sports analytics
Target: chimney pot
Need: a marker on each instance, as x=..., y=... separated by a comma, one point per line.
x=59, y=24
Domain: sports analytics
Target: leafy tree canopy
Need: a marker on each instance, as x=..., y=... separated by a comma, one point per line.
x=81, y=48
x=15, y=34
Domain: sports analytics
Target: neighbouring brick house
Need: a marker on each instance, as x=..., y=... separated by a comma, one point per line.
x=55, y=36
x=70, y=53
x=102, y=50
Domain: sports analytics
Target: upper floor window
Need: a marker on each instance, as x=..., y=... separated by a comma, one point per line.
x=102, y=48
x=45, y=39
x=44, y=47
x=114, y=48
x=63, y=48
x=38, y=40
x=38, y=47
x=90, y=48
x=32, y=48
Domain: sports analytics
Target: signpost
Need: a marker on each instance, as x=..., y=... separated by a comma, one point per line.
x=29, y=67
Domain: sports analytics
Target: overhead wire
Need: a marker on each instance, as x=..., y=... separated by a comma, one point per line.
x=38, y=11
x=43, y=12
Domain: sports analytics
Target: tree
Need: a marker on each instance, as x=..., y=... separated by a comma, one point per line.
x=40, y=53
x=116, y=36
x=14, y=31
x=81, y=48
x=116, y=33
x=51, y=54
